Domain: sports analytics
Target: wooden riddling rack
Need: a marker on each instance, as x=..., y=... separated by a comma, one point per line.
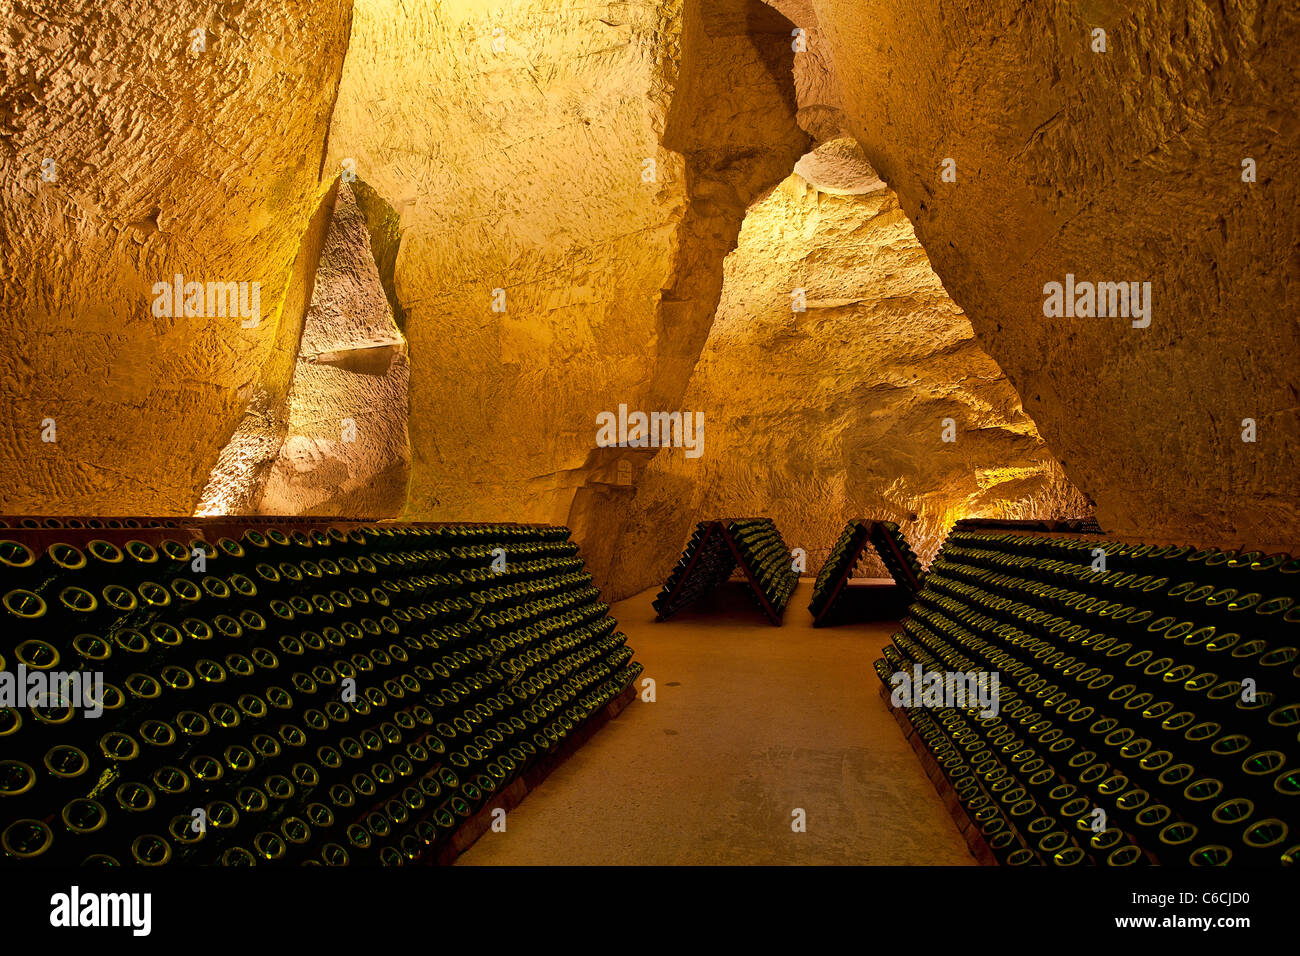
x=709, y=559
x=1044, y=526
x=38, y=532
x=1120, y=690
x=502, y=639
x=828, y=604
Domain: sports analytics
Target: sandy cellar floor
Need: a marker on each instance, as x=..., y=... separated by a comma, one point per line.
x=751, y=722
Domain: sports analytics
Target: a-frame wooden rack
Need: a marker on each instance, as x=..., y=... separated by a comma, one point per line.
x=709, y=562
x=893, y=551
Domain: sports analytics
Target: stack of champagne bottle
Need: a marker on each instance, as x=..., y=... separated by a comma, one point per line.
x=706, y=562
x=313, y=695
x=764, y=552
x=716, y=548
x=1147, y=705
x=900, y=560
x=1045, y=526
x=61, y=522
x=839, y=564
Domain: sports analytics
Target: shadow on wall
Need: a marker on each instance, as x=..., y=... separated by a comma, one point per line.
x=600, y=505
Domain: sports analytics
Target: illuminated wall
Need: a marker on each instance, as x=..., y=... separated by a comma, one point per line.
x=568, y=180
x=842, y=409
x=135, y=146
x=1113, y=140
x=550, y=191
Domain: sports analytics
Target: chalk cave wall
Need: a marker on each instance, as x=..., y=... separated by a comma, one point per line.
x=549, y=193
x=1122, y=165
x=130, y=153
x=568, y=181
x=840, y=409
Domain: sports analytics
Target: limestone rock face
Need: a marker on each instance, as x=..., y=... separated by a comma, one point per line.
x=1114, y=166
x=337, y=443
x=239, y=477
x=817, y=416
x=568, y=180
x=346, y=451
x=133, y=150
x=838, y=168
x=816, y=87
x=544, y=195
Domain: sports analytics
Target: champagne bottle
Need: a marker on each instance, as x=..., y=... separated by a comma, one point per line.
x=26, y=840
